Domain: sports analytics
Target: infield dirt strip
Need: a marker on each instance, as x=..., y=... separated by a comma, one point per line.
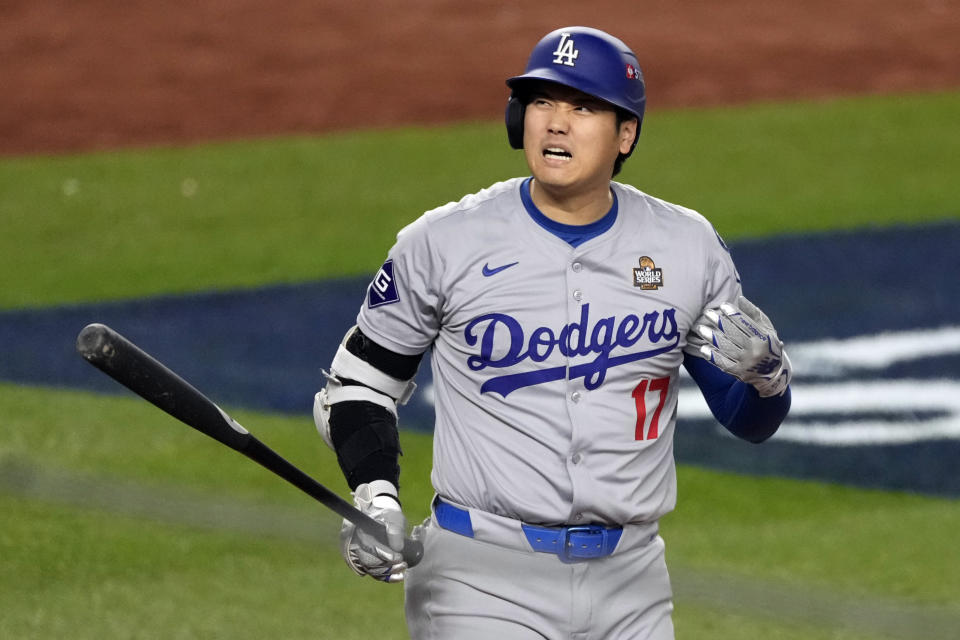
x=99, y=74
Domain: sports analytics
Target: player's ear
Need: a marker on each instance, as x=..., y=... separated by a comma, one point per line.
x=627, y=134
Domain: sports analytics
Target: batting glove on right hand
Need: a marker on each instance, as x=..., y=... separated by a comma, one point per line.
x=741, y=340
x=365, y=554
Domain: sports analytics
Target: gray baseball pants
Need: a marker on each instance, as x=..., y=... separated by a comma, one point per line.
x=494, y=586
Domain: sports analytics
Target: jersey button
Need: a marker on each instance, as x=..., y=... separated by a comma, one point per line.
x=577, y=295
x=576, y=266
x=575, y=396
x=576, y=458
x=578, y=517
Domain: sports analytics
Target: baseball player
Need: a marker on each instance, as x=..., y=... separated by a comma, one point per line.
x=558, y=309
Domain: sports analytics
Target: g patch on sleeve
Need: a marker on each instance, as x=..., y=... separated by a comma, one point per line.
x=383, y=289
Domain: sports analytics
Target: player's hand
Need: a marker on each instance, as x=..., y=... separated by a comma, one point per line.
x=741, y=340
x=364, y=553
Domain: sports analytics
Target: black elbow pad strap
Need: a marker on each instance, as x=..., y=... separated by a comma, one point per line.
x=390, y=362
x=367, y=443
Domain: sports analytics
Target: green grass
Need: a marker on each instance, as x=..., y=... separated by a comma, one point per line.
x=129, y=439
x=712, y=624
x=771, y=527
x=115, y=225
x=837, y=538
x=75, y=570
x=71, y=573
x=97, y=573
x=836, y=164
x=119, y=225
x=119, y=577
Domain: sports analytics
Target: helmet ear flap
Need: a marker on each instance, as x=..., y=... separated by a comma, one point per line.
x=514, y=119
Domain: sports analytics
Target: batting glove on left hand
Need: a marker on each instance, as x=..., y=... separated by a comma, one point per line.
x=365, y=554
x=741, y=340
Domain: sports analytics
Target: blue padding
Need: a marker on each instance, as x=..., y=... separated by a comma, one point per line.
x=453, y=518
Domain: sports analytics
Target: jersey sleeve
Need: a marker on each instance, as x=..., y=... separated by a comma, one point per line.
x=401, y=309
x=722, y=282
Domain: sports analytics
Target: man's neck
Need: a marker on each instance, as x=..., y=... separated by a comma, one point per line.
x=579, y=209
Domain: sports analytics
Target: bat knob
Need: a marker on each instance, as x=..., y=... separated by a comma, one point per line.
x=412, y=552
x=96, y=343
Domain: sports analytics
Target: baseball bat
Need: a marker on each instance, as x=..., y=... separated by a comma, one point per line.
x=140, y=372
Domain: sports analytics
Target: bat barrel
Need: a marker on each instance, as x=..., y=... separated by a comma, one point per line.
x=140, y=372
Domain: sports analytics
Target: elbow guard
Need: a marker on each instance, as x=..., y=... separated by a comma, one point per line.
x=370, y=384
x=356, y=412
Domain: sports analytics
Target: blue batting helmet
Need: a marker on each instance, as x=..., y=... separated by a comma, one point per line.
x=586, y=59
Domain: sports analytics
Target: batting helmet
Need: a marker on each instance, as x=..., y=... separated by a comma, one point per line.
x=586, y=59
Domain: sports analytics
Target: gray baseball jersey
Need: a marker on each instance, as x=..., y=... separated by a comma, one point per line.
x=555, y=368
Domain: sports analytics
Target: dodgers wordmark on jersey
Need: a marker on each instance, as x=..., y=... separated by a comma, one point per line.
x=555, y=366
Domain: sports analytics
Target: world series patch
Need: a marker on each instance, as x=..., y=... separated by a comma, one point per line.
x=647, y=276
x=383, y=289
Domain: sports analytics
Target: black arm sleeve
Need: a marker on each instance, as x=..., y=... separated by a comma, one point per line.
x=367, y=443
x=365, y=434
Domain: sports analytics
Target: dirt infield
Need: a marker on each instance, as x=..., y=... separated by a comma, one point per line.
x=102, y=74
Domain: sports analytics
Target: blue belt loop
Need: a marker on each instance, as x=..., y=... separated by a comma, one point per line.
x=453, y=518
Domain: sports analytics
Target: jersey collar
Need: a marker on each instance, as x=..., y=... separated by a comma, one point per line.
x=573, y=234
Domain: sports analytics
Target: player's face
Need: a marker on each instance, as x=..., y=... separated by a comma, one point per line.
x=571, y=140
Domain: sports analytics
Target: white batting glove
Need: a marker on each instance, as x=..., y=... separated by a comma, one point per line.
x=741, y=340
x=364, y=553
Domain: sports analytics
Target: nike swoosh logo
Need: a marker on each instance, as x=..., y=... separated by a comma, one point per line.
x=487, y=271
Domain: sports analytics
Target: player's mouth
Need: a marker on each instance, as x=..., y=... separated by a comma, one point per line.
x=558, y=154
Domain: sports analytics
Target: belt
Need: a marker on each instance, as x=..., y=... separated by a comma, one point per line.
x=570, y=544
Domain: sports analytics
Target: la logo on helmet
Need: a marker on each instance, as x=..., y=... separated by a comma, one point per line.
x=565, y=53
